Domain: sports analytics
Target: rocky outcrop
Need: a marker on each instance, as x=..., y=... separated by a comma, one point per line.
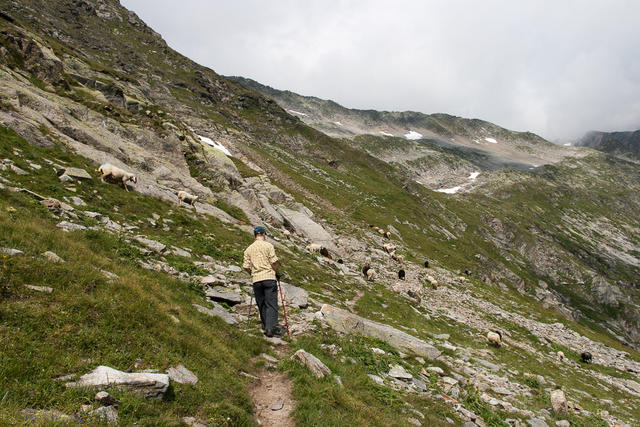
x=346, y=322
x=151, y=386
x=217, y=311
x=317, y=368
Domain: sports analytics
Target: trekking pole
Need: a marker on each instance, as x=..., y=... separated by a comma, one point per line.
x=249, y=315
x=284, y=309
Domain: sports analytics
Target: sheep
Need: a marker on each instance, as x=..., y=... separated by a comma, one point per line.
x=340, y=261
x=313, y=248
x=560, y=356
x=183, y=196
x=397, y=257
x=381, y=232
x=389, y=247
x=494, y=338
x=325, y=252
x=401, y=274
x=586, y=357
x=387, y=234
x=426, y=264
x=287, y=234
x=365, y=269
x=467, y=272
x=109, y=170
x=432, y=281
x=371, y=274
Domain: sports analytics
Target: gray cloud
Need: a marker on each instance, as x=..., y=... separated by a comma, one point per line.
x=557, y=68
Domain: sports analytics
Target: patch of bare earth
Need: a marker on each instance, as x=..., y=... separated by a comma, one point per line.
x=272, y=401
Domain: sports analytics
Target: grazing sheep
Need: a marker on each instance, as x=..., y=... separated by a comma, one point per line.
x=340, y=261
x=494, y=338
x=387, y=234
x=397, y=257
x=325, y=252
x=426, y=264
x=381, y=232
x=185, y=197
x=313, y=247
x=560, y=356
x=287, y=234
x=586, y=357
x=467, y=272
x=375, y=228
x=371, y=274
x=401, y=274
x=389, y=247
x=116, y=173
x=365, y=269
x=432, y=281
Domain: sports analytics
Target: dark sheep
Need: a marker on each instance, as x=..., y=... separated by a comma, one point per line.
x=467, y=272
x=365, y=269
x=426, y=264
x=401, y=274
x=340, y=261
x=586, y=357
x=325, y=252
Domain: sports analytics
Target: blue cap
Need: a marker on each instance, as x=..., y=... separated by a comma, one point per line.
x=258, y=229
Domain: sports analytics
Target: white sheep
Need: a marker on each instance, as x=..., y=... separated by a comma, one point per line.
x=313, y=248
x=371, y=274
x=185, y=197
x=560, y=356
x=431, y=280
x=387, y=234
x=287, y=234
x=396, y=257
x=115, y=172
x=389, y=247
x=381, y=232
x=494, y=338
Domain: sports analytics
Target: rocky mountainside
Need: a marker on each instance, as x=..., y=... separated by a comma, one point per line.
x=621, y=144
x=537, y=241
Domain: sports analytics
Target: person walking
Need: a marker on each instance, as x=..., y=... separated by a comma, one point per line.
x=261, y=262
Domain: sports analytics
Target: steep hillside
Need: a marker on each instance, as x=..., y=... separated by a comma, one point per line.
x=549, y=255
x=621, y=144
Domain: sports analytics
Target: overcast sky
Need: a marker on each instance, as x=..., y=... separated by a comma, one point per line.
x=558, y=68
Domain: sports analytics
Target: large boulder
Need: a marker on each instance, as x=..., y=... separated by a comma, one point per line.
x=217, y=311
x=151, y=386
x=303, y=224
x=346, y=322
x=294, y=296
x=559, y=402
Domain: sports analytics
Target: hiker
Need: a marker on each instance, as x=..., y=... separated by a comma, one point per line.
x=261, y=262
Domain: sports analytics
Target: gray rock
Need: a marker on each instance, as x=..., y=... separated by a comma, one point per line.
x=108, y=414
x=151, y=244
x=217, y=311
x=78, y=201
x=438, y=370
x=105, y=399
x=277, y=405
x=194, y=422
x=52, y=415
x=228, y=297
x=559, y=402
x=399, y=372
x=346, y=322
x=501, y=390
x=11, y=252
x=563, y=423
x=39, y=288
x=302, y=224
x=537, y=422
x=17, y=170
x=180, y=252
x=294, y=296
x=212, y=280
x=53, y=257
x=151, y=386
x=414, y=422
x=419, y=385
x=376, y=379
x=70, y=226
x=65, y=178
x=338, y=380
x=268, y=358
x=314, y=364
x=605, y=292
x=182, y=375
x=109, y=275
x=77, y=173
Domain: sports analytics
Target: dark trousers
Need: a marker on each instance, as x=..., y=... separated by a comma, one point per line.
x=266, y=292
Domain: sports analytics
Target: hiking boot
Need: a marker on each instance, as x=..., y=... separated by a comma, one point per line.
x=269, y=333
x=279, y=330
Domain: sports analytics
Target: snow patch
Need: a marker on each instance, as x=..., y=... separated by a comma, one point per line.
x=568, y=144
x=298, y=113
x=385, y=133
x=413, y=135
x=214, y=144
x=474, y=175
x=491, y=140
x=453, y=190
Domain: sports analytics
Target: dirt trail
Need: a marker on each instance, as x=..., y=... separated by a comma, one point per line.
x=272, y=401
x=271, y=391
